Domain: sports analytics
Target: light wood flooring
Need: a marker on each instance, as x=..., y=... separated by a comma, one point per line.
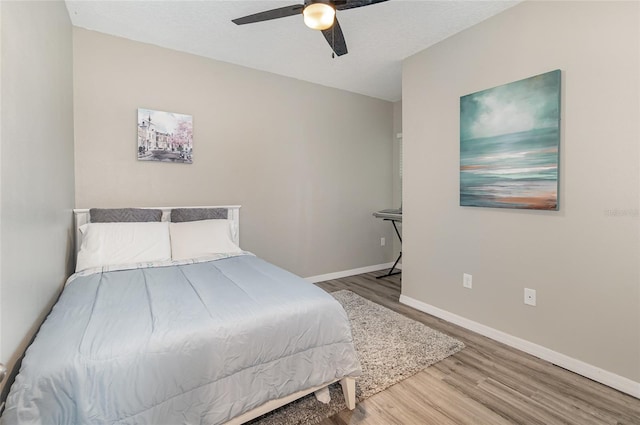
x=487, y=383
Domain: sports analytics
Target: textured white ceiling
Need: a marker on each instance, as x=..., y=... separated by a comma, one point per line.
x=378, y=37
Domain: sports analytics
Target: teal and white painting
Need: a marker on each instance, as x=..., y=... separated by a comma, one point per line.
x=509, y=141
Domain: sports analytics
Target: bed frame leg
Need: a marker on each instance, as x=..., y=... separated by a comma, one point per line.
x=349, y=392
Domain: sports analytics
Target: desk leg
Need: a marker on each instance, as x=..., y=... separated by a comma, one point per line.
x=391, y=272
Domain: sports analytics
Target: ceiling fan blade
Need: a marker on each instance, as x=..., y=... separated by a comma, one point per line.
x=335, y=38
x=281, y=12
x=350, y=4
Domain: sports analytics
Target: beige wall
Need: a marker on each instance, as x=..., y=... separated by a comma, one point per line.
x=396, y=180
x=308, y=164
x=36, y=166
x=584, y=259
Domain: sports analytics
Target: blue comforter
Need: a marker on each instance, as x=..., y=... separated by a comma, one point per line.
x=195, y=344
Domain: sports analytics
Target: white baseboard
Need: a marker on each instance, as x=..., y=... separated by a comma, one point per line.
x=610, y=379
x=346, y=273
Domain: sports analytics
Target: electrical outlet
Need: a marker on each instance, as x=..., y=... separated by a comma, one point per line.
x=467, y=280
x=383, y=241
x=530, y=296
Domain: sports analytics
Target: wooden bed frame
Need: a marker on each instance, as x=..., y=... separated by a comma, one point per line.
x=348, y=390
x=81, y=216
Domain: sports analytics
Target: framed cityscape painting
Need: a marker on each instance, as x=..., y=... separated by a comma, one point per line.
x=165, y=136
x=509, y=145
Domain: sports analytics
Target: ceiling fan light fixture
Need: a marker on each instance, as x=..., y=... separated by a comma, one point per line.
x=319, y=16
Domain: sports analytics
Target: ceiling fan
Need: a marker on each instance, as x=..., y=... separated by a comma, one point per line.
x=318, y=15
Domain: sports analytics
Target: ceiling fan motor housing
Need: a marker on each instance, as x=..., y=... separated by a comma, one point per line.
x=329, y=2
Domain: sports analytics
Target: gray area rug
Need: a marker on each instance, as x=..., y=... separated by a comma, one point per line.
x=390, y=346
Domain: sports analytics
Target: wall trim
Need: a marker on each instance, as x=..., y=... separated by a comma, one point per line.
x=346, y=273
x=602, y=376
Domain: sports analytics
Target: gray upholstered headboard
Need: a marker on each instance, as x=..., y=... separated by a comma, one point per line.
x=82, y=216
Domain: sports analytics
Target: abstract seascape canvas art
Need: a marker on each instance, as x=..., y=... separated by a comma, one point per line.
x=509, y=144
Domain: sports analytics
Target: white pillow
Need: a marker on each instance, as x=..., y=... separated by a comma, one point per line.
x=193, y=239
x=108, y=244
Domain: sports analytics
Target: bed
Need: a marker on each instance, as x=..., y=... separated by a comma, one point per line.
x=202, y=334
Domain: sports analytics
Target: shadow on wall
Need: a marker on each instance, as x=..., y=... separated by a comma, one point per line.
x=70, y=262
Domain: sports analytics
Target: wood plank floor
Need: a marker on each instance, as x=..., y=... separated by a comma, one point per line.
x=487, y=383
